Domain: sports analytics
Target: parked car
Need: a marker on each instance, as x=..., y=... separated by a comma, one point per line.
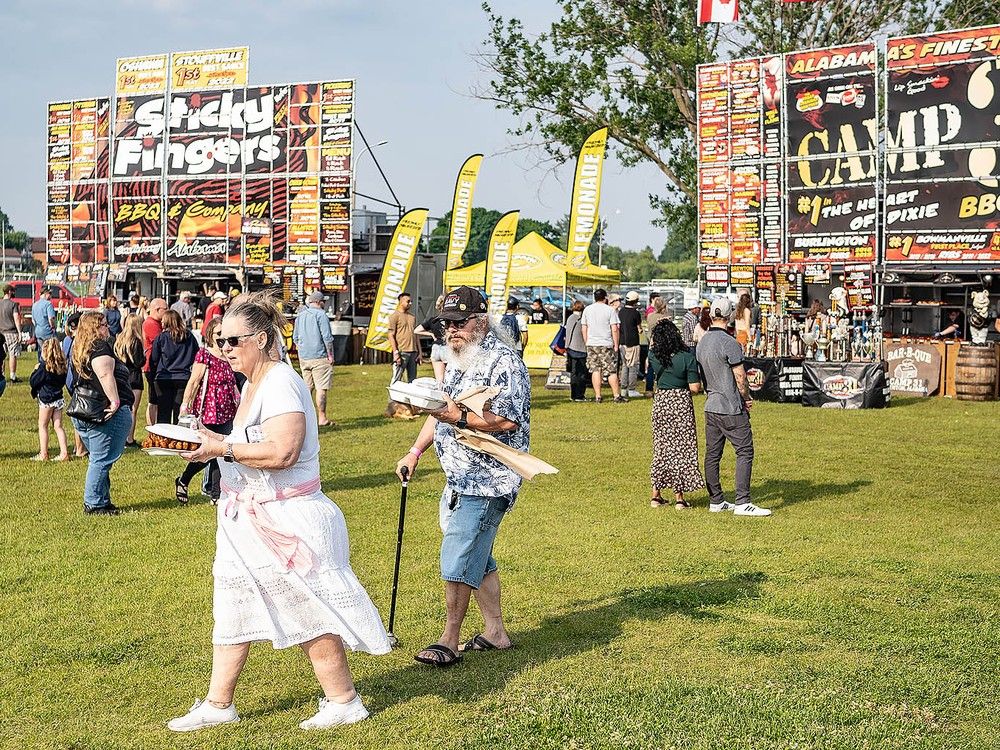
x=27, y=291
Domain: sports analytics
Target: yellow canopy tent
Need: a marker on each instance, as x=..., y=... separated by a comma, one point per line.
x=535, y=262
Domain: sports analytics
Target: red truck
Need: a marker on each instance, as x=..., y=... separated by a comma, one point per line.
x=27, y=291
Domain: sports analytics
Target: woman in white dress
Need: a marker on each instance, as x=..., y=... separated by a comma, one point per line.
x=281, y=567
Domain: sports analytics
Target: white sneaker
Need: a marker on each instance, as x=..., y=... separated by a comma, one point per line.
x=749, y=509
x=203, y=715
x=634, y=394
x=333, y=714
x=720, y=507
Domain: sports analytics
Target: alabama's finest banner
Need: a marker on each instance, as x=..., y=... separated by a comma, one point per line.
x=943, y=148
x=498, y=261
x=395, y=273
x=583, y=213
x=461, y=210
x=831, y=141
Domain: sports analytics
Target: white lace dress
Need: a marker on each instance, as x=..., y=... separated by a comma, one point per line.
x=282, y=571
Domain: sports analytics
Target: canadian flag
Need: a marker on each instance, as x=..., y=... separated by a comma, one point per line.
x=718, y=11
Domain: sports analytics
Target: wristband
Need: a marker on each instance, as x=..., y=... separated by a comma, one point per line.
x=415, y=452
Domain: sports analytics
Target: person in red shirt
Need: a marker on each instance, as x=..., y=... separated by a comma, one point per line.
x=151, y=328
x=215, y=310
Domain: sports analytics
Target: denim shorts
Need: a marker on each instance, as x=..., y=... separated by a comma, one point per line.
x=470, y=529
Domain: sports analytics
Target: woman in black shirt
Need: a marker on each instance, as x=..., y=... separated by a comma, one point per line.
x=97, y=369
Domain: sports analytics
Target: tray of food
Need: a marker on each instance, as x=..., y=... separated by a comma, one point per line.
x=170, y=440
x=424, y=393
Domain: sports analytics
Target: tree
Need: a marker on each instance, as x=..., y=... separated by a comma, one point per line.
x=13, y=238
x=483, y=221
x=630, y=64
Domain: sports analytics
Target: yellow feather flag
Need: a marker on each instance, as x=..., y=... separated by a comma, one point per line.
x=395, y=272
x=583, y=215
x=461, y=210
x=498, y=261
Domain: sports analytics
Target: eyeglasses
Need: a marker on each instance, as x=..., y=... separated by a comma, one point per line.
x=461, y=324
x=233, y=341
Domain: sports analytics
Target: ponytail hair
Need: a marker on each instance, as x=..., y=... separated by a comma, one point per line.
x=261, y=312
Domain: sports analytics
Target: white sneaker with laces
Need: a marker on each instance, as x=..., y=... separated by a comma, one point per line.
x=203, y=715
x=720, y=507
x=333, y=714
x=634, y=394
x=749, y=509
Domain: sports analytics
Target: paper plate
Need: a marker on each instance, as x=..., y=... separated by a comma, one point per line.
x=175, y=432
x=422, y=395
x=171, y=432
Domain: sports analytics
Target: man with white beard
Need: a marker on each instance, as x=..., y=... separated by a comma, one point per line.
x=479, y=489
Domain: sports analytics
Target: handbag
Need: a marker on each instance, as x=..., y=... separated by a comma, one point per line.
x=558, y=344
x=88, y=402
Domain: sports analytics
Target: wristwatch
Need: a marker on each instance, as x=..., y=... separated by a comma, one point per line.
x=463, y=421
x=228, y=456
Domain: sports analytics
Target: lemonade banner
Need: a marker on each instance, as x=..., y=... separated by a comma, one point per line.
x=395, y=273
x=498, y=261
x=461, y=210
x=583, y=213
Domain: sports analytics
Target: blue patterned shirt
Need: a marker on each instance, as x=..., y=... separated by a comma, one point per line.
x=470, y=472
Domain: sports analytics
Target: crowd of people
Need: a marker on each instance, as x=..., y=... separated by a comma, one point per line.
x=282, y=571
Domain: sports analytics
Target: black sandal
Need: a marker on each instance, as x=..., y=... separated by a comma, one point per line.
x=181, y=491
x=480, y=643
x=682, y=504
x=443, y=656
x=657, y=502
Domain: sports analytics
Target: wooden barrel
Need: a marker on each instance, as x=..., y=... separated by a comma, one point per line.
x=976, y=373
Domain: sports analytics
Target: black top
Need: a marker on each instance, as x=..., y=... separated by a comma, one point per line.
x=46, y=386
x=134, y=360
x=435, y=326
x=631, y=321
x=103, y=349
x=539, y=316
x=114, y=317
x=172, y=360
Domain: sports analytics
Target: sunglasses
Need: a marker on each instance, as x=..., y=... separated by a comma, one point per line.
x=460, y=324
x=233, y=341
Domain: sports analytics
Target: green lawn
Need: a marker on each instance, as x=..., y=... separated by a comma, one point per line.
x=864, y=614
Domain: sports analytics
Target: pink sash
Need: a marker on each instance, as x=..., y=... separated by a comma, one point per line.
x=291, y=551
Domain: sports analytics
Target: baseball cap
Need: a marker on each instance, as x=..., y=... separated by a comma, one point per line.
x=512, y=303
x=185, y=294
x=316, y=297
x=722, y=307
x=461, y=303
x=632, y=296
x=614, y=298
x=219, y=295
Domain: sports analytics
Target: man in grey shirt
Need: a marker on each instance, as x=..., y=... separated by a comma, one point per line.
x=727, y=412
x=10, y=329
x=185, y=308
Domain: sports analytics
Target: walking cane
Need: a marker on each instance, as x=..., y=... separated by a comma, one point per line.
x=393, y=641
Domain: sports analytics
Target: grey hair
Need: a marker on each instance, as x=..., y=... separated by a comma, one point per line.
x=260, y=311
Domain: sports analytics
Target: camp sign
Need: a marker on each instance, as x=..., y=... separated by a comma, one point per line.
x=790, y=168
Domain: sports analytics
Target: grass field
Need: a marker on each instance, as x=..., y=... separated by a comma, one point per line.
x=864, y=614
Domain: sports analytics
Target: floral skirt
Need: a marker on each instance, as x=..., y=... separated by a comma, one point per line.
x=675, y=442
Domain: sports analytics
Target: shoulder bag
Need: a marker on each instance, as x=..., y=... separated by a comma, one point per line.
x=88, y=402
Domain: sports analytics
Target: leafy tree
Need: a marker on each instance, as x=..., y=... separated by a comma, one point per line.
x=14, y=238
x=483, y=221
x=630, y=64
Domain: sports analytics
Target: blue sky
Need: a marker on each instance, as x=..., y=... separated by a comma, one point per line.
x=414, y=66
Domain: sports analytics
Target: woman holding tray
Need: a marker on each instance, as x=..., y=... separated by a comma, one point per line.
x=281, y=570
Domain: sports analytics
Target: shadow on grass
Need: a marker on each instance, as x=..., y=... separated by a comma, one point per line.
x=593, y=625
x=361, y=482
x=363, y=422
x=792, y=491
